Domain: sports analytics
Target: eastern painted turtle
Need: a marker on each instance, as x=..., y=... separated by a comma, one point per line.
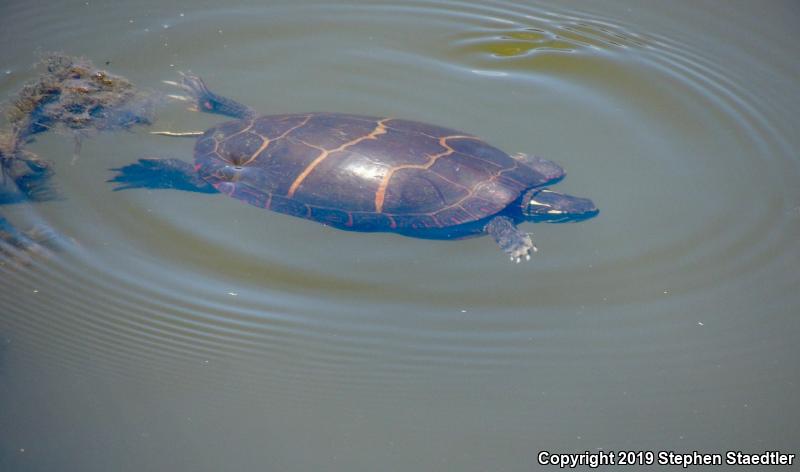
x=365, y=173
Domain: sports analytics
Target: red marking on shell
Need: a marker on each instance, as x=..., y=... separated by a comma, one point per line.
x=380, y=129
x=380, y=194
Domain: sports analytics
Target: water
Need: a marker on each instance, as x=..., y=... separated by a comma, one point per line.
x=191, y=332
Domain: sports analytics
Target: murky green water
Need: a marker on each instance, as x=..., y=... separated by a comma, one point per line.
x=190, y=332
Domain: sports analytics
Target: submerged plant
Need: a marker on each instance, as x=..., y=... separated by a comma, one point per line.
x=70, y=95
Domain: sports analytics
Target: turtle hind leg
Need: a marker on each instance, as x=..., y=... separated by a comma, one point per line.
x=160, y=173
x=511, y=240
x=209, y=101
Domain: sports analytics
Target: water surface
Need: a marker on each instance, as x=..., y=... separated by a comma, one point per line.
x=192, y=332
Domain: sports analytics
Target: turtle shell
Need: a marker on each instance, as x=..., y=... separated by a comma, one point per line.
x=362, y=173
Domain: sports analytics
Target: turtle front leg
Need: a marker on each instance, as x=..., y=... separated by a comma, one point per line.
x=511, y=240
x=160, y=173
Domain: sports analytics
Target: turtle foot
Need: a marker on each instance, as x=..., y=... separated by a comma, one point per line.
x=205, y=100
x=521, y=249
x=512, y=241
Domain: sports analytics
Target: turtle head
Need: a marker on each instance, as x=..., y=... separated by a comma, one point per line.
x=543, y=204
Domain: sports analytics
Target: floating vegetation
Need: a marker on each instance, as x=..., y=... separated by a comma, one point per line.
x=548, y=38
x=70, y=95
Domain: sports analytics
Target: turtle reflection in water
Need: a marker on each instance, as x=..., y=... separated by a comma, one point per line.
x=361, y=173
x=24, y=177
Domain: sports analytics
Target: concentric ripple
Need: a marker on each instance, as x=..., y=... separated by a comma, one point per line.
x=691, y=167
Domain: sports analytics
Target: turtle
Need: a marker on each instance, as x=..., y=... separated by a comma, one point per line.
x=363, y=173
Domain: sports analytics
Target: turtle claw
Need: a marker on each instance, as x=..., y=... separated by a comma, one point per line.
x=520, y=247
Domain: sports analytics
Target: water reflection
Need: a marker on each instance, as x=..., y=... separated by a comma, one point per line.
x=682, y=123
x=655, y=93
x=677, y=125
